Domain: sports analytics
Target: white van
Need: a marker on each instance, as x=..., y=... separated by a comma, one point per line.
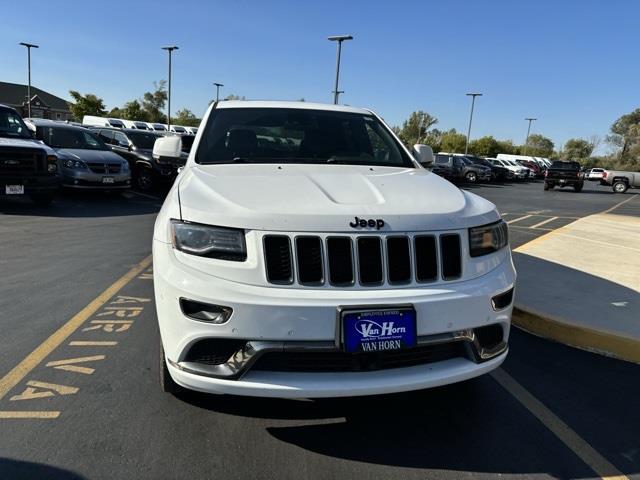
x=158, y=127
x=179, y=129
x=192, y=130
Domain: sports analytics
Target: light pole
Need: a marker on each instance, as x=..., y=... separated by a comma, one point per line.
x=218, y=85
x=473, y=101
x=526, y=142
x=170, y=49
x=339, y=39
x=29, y=47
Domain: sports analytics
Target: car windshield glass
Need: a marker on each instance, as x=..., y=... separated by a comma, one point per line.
x=57, y=137
x=187, y=142
x=12, y=126
x=289, y=135
x=144, y=140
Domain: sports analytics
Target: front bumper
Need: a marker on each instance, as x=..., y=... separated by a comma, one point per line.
x=86, y=179
x=281, y=319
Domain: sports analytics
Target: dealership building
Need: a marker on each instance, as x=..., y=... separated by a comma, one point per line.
x=43, y=104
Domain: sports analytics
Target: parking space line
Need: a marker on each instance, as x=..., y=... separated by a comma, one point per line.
x=600, y=465
x=82, y=343
x=518, y=219
x=145, y=195
x=30, y=414
x=538, y=225
x=32, y=360
x=619, y=204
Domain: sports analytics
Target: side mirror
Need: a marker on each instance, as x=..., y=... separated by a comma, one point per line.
x=167, y=147
x=423, y=154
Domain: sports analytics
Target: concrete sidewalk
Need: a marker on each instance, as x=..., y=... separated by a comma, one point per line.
x=580, y=284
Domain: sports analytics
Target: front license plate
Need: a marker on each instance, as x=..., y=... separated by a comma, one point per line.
x=108, y=180
x=14, y=189
x=378, y=330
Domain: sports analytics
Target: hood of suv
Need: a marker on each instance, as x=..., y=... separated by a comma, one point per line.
x=326, y=198
x=87, y=155
x=24, y=143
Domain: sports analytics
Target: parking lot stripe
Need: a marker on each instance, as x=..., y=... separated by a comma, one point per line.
x=81, y=343
x=609, y=210
x=30, y=414
x=600, y=465
x=537, y=225
x=518, y=219
x=41, y=352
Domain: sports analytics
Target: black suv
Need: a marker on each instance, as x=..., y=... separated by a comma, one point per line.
x=498, y=173
x=457, y=167
x=27, y=166
x=136, y=146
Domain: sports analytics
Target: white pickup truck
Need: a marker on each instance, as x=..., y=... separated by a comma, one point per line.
x=304, y=252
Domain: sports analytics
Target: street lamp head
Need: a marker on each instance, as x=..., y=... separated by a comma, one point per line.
x=474, y=94
x=340, y=38
x=218, y=84
x=530, y=119
x=170, y=48
x=29, y=45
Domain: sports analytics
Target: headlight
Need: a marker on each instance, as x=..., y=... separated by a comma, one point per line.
x=74, y=164
x=52, y=163
x=207, y=241
x=488, y=238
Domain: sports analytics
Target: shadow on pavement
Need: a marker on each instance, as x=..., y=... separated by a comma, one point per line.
x=19, y=470
x=84, y=205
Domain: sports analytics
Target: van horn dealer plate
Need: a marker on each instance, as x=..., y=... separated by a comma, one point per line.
x=378, y=329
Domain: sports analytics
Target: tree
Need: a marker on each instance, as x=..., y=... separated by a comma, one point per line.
x=115, y=112
x=539, y=146
x=153, y=102
x=453, y=142
x=415, y=128
x=485, y=147
x=133, y=111
x=577, y=149
x=507, y=146
x=186, y=117
x=88, y=104
x=625, y=135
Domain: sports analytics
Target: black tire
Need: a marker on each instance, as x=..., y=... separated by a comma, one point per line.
x=471, y=177
x=144, y=179
x=167, y=384
x=620, y=187
x=42, y=199
x=578, y=187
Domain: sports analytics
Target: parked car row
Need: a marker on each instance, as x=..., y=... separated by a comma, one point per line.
x=472, y=169
x=38, y=157
x=93, y=121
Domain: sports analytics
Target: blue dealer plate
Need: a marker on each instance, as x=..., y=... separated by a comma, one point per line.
x=378, y=330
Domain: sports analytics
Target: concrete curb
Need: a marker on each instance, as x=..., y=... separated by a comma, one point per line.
x=577, y=336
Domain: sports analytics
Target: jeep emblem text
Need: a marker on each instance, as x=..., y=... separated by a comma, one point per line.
x=378, y=223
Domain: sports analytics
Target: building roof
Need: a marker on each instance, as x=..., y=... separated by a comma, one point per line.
x=16, y=94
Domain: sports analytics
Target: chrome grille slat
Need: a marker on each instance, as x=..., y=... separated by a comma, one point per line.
x=375, y=260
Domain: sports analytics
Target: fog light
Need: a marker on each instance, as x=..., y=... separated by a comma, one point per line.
x=503, y=300
x=75, y=182
x=489, y=337
x=52, y=168
x=205, y=312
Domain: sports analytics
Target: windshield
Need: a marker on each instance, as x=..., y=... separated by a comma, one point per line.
x=58, y=137
x=141, y=126
x=12, y=126
x=179, y=130
x=144, y=140
x=284, y=135
x=559, y=165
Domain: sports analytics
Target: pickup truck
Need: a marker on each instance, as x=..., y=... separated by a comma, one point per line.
x=620, y=180
x=564, y=174
x=27, y=166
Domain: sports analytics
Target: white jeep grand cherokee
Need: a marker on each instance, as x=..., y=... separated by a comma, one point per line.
x=304, y=252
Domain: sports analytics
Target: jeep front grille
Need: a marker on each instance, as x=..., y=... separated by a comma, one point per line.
x=22, y=162
x=365, y=260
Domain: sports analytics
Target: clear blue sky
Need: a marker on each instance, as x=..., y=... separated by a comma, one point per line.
x=572, y=64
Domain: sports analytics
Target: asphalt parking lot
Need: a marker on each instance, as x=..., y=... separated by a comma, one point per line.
x=79, y=393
